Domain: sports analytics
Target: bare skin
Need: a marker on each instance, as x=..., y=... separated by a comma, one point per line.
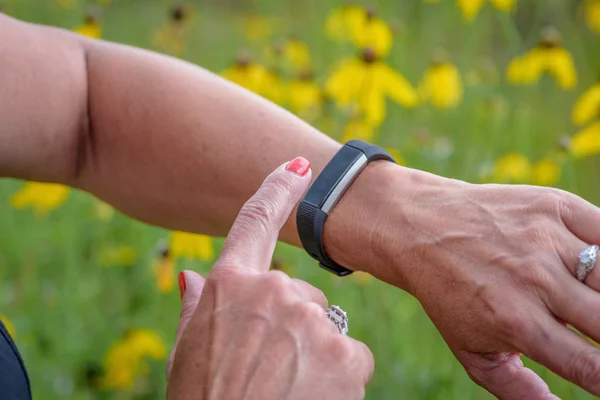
x=174, y=145
x=250, y=333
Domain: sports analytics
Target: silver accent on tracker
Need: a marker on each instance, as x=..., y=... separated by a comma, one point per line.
x=344, y=183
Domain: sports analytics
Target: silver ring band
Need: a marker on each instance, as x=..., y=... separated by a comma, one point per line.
x=587, y=262
x=339, y=318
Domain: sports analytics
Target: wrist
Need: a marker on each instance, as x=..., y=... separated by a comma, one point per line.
x=376, y=224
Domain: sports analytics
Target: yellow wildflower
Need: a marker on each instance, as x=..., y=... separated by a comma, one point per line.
x=305, y=97
x=546, y=172
x=164, y=272
x=442, y=85
x=296, y=53
x=289, y=56
x=90, y=28
x=524, y=70
x=184, y=244
x=358, y=129
x=586, y=142
x=592, y=15
x=372, y=32
x=339, y=21
x=363, y=84
x=504, y=5
x=549, y=56
x=361, y=27
x=512, y=168
x=256, y=78
x=42, y=197
x=117, y=255
x=172, y=36
x=587, y=106
x=9, y=325
x=127, y=359
x=470, y=8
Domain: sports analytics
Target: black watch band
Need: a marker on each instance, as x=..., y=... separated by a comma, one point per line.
x=325, y=192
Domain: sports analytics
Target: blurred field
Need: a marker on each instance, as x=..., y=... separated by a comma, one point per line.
x=79, y=281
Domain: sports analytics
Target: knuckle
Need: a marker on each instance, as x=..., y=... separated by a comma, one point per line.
x=548, y=201
x=258, y=215
x=535, y=276
x=537, y=233
x=509, y=323
x=279, y=184
x=319, y=295
x=308, y=313
x=341, y=349
x=310, y=291
x=266, y=203
x=586, y=370
x=223, y=272
x=277, y=283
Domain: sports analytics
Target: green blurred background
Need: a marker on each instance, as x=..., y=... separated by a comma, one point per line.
x=91, y=295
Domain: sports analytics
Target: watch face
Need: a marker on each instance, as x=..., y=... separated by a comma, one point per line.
x=344, y=183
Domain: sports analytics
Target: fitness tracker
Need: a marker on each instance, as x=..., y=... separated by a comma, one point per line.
x=326, y=191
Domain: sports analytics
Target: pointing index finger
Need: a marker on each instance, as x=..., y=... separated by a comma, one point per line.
x=252, y=238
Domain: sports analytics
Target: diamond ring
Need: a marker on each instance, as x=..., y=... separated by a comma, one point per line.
x=339, y=318
x=587, y=262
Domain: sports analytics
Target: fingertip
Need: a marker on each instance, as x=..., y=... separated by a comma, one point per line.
x=251, y=239
x=193, y=284
x=182, y=284
x=299, y=166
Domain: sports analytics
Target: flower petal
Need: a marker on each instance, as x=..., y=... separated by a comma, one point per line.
x=470, y=8
x=587, y=106
x=442, y=85
x=586, y=142
x=396, y=86
x=560, y=64
x=504, y=5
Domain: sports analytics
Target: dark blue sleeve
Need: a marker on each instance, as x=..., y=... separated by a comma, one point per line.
x=14, y=383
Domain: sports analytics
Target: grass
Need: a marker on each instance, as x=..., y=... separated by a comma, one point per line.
x=68, y=309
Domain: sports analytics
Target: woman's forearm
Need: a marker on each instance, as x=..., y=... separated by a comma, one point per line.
x=175, y=145
x=166, y=141
x=178, y=146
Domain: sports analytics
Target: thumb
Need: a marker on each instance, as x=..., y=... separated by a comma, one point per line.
x=191, y=285
x=504, y=375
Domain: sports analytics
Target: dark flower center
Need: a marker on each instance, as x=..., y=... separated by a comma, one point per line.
x=368, y=55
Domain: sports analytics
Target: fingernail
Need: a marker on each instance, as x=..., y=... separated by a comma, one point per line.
x=182, y=285
x=298, y=166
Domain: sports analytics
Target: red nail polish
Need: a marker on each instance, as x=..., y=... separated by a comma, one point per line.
x=182, y=285
x=298, y=166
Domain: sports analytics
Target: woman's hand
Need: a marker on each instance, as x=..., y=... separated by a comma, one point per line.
x=505, y=258
x=492, y=265
x=256, y=333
